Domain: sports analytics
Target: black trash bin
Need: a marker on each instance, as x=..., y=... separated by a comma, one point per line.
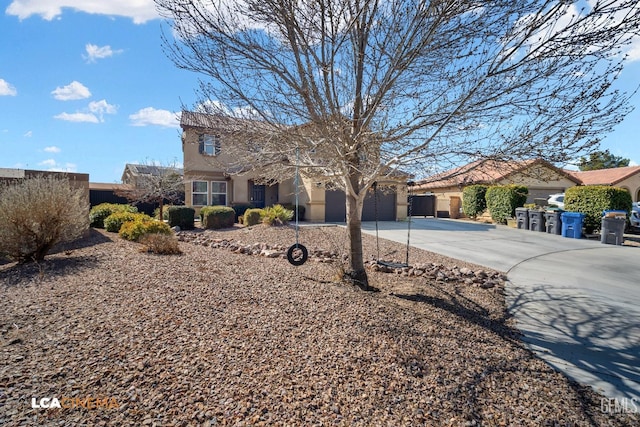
x=612, y=231
x=536, y=220
x=553, y=222
x=522, y=218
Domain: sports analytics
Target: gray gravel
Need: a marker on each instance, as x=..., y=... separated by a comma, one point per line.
x=214, y=337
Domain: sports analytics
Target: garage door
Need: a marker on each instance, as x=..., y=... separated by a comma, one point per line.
x=336, y=211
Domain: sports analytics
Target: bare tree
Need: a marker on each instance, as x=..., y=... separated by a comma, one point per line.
x=361, y=88
x=155, y=183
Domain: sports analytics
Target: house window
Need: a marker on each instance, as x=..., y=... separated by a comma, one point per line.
x=219, y=193
x=199, y=193
x=209, y=144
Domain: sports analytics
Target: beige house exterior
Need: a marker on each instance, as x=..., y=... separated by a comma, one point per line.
x=207, y=183
x=541, y=178
x=77, y=180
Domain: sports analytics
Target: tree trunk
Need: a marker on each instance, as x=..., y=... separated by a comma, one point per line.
x=357, y=273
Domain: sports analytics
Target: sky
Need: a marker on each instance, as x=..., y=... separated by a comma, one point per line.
x=86, y=87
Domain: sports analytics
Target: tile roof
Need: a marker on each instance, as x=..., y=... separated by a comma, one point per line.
x=484, y=172
x=605, y=176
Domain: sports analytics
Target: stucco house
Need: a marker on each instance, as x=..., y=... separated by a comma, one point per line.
x=541, y=177
x=77, y=180
x=207, y=182
x=626, y=177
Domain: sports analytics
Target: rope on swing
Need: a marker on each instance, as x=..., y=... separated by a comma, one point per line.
x=410, y=184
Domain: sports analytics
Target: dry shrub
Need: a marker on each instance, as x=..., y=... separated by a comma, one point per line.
x=37, y=213
x=161, y=244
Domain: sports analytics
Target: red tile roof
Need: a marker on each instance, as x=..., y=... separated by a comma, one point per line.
x=605, y=176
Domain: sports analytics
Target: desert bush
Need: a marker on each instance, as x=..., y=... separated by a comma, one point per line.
x=253, y=216
x=37, y=213
x=214, y=217
x=100, y=212
x=240, y=209
x=161, y=244
x=502, y=201
x=474, y=202
x=113, y=222
x=134, y=230
x=301, y=211
x=276, y=215
x=591, y=200
x=181, y=216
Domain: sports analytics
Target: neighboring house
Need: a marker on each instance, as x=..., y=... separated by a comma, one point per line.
x=541, y=178
x=100, y=192
x=627, y=178
x=77, y=180
x=133, y=174
x=208, y=183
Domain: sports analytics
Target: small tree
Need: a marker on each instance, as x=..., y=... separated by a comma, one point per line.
x=37, y=213
x=159, y=183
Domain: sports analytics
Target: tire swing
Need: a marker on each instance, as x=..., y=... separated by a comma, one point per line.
x=389, y=264
x=297, y=253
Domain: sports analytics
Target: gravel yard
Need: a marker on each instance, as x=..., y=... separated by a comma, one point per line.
x=219, y=337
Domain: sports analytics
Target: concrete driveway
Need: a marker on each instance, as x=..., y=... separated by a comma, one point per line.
x=576, y=301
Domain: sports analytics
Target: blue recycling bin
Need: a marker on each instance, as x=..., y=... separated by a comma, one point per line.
x=572, y=224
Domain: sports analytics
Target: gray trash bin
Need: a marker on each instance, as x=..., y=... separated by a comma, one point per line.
x=522, y=218
x=536, y=220
x=612, y=231
x=553, y=221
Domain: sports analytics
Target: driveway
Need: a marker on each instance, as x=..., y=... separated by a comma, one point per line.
x=576, y=301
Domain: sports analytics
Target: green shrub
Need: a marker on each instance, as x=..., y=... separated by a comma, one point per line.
x=214, y=217
x=240, y=209
x=134, y=230
x=473, y=200
x=301, y=211
x=100, y=212
x=181, y=216
x=591, y=200
x=502, y=201
x=161, y=244
x=276, y=215
x=253, y=216
x=165, y=212
x=113, y=222
x=37, y=213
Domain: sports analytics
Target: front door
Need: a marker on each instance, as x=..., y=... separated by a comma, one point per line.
x=257, y=195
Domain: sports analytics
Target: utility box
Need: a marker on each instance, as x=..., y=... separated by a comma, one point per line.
x=553, y=222
x=612, y=231
x=572, y=224
x=536, y=220
x=522, y=218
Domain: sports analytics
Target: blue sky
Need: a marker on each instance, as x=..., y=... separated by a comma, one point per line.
x=85, y=87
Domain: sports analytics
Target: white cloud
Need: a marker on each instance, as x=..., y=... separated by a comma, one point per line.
x=633, y=163
x=77, y=117
x=28, y=134
x=151, y=117
x=72, y=91
x=52, y=149
x=140, y=11
x=6, y=89
x=52, y=165
x=95, y=52
x=102, y=107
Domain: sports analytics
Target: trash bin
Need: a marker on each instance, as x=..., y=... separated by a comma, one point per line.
x=522, y=218
x=572, y=224
x=553, y=222
x=612, y=231
x=536, y=220
x=614, y=214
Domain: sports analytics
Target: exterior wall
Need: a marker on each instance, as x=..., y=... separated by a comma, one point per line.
x=633, y=185
x=77, y=180
x=541, y=182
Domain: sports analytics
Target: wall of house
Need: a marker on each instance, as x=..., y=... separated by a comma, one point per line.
x=633, y=185
x=541, y=182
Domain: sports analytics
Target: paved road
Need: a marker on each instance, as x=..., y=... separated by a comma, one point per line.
x=576, y=301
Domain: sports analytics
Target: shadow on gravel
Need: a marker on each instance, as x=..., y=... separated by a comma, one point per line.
x=49, y=268
x=93, y=237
